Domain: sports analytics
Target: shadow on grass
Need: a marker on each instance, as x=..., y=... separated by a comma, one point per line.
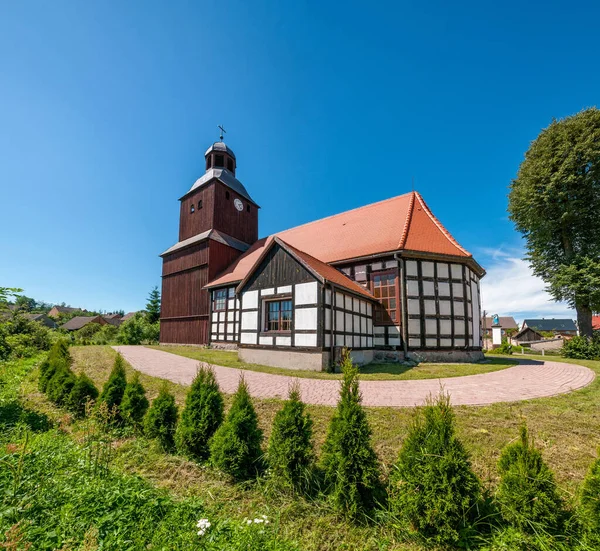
x=13, y=413
x=387, y=368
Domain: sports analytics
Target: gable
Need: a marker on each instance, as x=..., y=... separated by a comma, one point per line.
x=276, y=269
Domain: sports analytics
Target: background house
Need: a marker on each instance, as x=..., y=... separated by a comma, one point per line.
x=596, y=323
x=113, y=319
x=526, y=335
x=565, y=327
x=507, y=323
x=81, y=321
x=43, y=319
x=56, y=311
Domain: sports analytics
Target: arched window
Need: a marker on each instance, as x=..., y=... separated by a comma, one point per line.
x=200, y=204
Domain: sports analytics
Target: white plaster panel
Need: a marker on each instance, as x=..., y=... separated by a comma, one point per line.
x=379, y=330
x=393, y=330
x=376, y=266
x=363, y=307
x=430, y=307
x=221, y=316
x=231, y=304
x=431, y=343
x=237, y=303
x=305, y=318
x=339, y=300
x=339, y=339
x=230, y=316
x=445, y=327
x=379, y=341
x=369, y=341
x=267, y=292
x=412, y=288
x=394, y=341
x=443, y=289
x=348, y=302
x=428, y=288
x=427, y=269
x=356, y=323
x=249, y=320
x=215, y=316
x=229, y=337
x=457, y=289
x=414, y=342
x=414, y=326
x=356, y=342
x=431, y=327
x=327, y=314
x=284, y=289
x=445, y=308
x=356, y=305
x=363, y=325
x=442, y=270
x=413, y=306
x=339, y=320
x=283, y=341
x=250, y=299
x=411, y=268
x=446, y=343
x=248, y=338
x=369, y=309
x=327, y=341
x=468, y=291
x=213, y=337
x=369, y=326
x=221, y=328
x=214, y=327
x=327, y=296
x=459, y=327
x=363, y=342
x=348, y=318
x=456, y=271
x=348, y=340
x=459, y=342
x=267, y=341
x=476, y=313
x=306, y=293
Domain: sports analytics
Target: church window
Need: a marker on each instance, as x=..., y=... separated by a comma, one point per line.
x=384, y=289
x=219, y=161
x=230, y=165
x=219, y=300
x=192, y=209
x=278, y=315
x=200, y=204
x=226, y=195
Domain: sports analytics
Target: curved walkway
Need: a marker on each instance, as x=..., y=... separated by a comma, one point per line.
x=529, y=379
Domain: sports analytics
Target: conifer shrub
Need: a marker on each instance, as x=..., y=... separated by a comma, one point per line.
x=114, y=388
x=432, y=485
x=290, y=453
x=527, y=493
x=161, y=420
x=590, y=499
x=135, y=404
x=58, y=354
x=61, y=383
x=235, y=447
x=349, y=463
x=201, y=416
x=83, y=391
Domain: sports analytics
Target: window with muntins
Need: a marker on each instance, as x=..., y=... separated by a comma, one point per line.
x=384, y=289
x=278, y=315
x=219, y=300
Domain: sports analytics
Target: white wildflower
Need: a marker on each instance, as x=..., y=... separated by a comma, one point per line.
x=204, y=525
x=258, y=521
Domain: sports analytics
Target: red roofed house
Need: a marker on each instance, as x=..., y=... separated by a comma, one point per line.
x=384, y=279
x=596, y=323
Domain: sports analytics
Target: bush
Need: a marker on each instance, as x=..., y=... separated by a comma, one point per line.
x=582, y=348
x=290, y=454
x=112, y=393
x=61, y=383
x=201, y=416
x=235, y=447
x=59, y=353
x=134, y=404
x=83, y=391
x=590, y=499
x=138, y=330
x=504, y=348
x=161, y=419
x=527, y=493
x=349, y=463
x=106, y=335
x=432, y=485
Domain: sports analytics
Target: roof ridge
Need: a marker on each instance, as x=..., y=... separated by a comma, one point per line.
x=439, y=225
x=344, y=212
x=407, y=221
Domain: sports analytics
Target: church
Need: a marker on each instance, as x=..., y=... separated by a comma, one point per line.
x=387, y=281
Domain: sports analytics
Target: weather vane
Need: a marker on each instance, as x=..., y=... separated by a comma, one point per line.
x=220, y=127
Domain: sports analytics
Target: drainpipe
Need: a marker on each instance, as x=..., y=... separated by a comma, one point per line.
x=404, y=303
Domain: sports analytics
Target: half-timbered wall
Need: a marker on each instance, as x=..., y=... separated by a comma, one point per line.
x=443, y=305
x=352, y=320
x=225, y=320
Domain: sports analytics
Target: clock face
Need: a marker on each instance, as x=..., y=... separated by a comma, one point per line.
x=238, y=205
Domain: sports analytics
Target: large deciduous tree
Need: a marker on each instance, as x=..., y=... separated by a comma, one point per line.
x=555, y=203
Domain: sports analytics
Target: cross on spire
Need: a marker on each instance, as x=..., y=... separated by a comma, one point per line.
x=220, y=127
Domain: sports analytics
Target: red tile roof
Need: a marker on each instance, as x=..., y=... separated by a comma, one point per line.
x=400, y=223
x=596, y=323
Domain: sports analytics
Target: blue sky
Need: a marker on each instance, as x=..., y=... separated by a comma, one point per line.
x=106, y=109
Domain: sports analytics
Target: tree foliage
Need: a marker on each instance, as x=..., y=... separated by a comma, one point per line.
x=432, y=486
x=291, y=454
x=153, y=306
x=349, y=462
x=161, y=420
x=590, y=499
x=235, y=447
x=83, y=391
x=201, y=416
x=554, y=202
x=134, y=404
x=114, y=388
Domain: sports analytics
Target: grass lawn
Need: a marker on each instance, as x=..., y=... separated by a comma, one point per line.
x=566, y=428
x=373, y=372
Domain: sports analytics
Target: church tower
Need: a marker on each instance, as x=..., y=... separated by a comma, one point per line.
x=218, y=221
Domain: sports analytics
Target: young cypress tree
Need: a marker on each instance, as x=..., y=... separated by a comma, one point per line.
x=114, y=388
x=61, y=383
x=590, y=499
x=432, y=485
x=527, y=492
x=161, y=420
x=83, y=391
x=58, y=354
x=201, y=416
x=134, y=404
x=349, y=462
x=235, y=447
x=290, y=454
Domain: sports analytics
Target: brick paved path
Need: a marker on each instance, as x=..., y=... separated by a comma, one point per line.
x=529, y=379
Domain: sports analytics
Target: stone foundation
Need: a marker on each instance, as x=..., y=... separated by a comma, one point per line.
x=446, y=356
x=287, y=359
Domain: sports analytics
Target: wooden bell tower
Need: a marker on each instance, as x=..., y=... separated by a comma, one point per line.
x=218, y=221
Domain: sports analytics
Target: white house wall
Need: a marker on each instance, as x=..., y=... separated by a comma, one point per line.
x=224, y=324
